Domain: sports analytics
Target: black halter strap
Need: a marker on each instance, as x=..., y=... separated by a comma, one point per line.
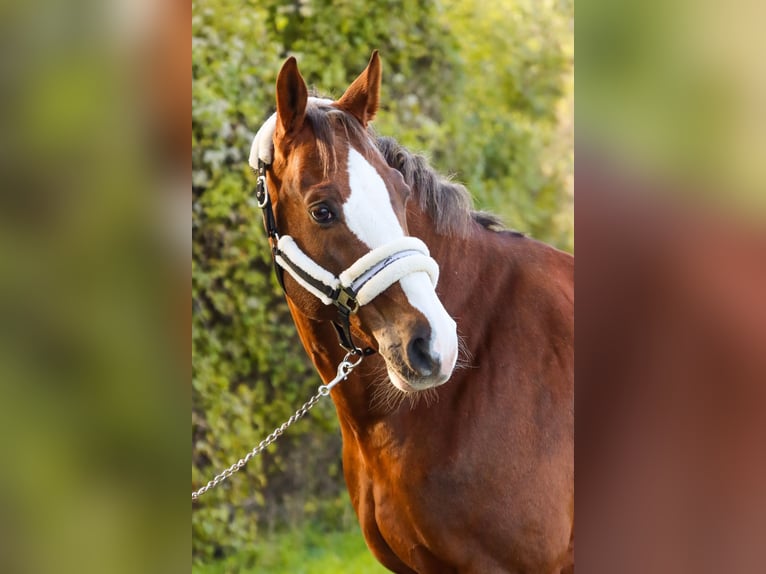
x=344, y=298
x=269, y=221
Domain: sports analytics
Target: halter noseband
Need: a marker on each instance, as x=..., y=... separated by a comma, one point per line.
x=364, y=280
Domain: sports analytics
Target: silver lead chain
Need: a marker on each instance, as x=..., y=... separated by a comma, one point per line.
x=344, y=369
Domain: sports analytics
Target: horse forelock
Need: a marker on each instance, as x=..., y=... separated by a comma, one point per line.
x=324, y=120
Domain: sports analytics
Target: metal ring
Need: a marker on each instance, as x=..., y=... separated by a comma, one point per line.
x=348, y=364
x=263, y=197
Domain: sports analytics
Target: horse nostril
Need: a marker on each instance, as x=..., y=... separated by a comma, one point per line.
x=420, y=358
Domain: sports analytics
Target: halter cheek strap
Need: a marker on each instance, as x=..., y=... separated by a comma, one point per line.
x=364, y=280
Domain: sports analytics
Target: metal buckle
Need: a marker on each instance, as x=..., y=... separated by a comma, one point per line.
x=261, y=192
x=347, y=301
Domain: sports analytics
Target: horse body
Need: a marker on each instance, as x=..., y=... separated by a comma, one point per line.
x=475, y=475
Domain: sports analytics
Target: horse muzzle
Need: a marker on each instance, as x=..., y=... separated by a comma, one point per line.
x=419, y=353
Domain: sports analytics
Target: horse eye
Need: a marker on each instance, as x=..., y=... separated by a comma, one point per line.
x=322, y=214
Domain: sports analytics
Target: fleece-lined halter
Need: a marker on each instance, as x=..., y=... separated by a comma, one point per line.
x=364, y=280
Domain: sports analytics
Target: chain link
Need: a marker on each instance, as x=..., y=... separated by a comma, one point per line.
x=344, y=369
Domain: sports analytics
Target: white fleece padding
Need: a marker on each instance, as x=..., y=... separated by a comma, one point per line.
x=407, y=265
x=368, y=261
x=263, y=143
x=287, y=245
x=391, y=274
x=395, y=271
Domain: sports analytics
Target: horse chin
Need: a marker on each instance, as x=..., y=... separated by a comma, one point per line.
x=415, y=385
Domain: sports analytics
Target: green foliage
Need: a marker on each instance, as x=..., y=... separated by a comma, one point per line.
x=483, y=87
x=309, y=551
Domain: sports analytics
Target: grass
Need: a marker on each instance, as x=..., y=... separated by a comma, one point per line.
x=307, y=552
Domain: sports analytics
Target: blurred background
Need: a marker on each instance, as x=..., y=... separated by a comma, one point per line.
x=94, y=280
x=484, y=88
x=671, y=286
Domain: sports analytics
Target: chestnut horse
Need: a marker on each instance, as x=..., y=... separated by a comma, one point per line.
x=453, y=464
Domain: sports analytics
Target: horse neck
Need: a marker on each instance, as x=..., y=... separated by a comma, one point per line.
x=450, y=250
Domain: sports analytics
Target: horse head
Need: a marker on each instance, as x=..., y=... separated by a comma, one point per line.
x=340, y=214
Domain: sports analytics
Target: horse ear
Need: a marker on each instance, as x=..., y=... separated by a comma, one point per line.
x=292, y=96
x=363, y=95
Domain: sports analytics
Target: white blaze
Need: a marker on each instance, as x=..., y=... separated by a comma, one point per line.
x=370, y=216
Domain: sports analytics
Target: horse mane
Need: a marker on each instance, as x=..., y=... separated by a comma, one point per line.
x=447, y=202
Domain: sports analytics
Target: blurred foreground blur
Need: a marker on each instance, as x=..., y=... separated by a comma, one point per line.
x=94, y=283
x=671, y=288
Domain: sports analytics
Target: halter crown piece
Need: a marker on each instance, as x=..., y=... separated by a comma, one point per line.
x=364, y=280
